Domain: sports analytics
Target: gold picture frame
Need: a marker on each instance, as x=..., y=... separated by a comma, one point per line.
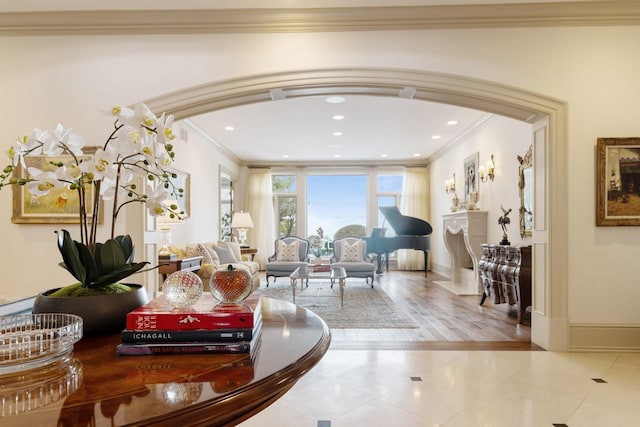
x=618, y=182
x=60, y=206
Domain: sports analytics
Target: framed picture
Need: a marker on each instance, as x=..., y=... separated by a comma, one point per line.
x=60, y=206
x=471, y=176
x=183, y=180
x=618, y=181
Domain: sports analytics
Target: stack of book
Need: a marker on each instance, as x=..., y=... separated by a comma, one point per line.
x=207, y=327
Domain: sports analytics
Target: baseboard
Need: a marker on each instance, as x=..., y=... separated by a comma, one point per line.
x=595, y=337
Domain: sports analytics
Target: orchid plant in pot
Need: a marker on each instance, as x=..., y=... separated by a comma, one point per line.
x=134, y=165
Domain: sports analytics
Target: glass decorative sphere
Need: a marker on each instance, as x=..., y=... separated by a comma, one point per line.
x=230, y=286
x=182, y=289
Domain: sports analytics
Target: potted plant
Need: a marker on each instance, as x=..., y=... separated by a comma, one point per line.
x=138, y=150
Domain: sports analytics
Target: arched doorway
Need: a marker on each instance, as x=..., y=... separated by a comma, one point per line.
x=547, y=116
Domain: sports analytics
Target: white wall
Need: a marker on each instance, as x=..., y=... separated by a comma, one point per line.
x=594, y=69
x=504, y=138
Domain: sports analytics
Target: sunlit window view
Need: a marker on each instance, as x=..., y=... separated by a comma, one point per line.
x=389, y=189
x=285, y=199
x=334, y=202
x=336, y=206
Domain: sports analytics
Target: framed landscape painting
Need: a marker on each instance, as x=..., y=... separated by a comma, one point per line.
x=618, y=182
x=60, y=206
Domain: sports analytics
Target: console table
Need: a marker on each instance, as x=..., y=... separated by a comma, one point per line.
x=505, y=272
x=251, y=252
x=173, y=390
x=168, y=266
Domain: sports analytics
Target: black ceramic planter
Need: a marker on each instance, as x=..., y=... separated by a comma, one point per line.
x=100, y=313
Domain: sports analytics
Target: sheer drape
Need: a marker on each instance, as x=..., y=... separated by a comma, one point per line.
x=415, y=202
x=259, y=203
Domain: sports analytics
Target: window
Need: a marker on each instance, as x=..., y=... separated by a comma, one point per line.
x=226, y=206
x=285, y=203
x=389, y=190
x=334, y=202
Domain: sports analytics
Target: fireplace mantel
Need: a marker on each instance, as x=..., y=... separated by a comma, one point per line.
x=464, y=234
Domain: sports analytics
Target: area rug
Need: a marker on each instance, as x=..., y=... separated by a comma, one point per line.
x=364, y=307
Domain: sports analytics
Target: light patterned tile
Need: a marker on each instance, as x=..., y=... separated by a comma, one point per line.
x=381, y=414
x=327, y=398
x=590, y=415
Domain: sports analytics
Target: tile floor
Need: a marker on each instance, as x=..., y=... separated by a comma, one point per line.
x=462, y=389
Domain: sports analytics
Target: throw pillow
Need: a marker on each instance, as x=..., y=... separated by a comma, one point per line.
x=288, y=252
x=234, y=247
x=198, y=249
x=351, y=252
x=225, y=255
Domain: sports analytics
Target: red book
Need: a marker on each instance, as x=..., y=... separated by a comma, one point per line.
x=207, y=313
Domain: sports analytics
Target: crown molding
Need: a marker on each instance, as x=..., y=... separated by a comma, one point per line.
x=212, y=21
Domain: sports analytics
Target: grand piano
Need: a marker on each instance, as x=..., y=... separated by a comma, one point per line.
x=411, y=233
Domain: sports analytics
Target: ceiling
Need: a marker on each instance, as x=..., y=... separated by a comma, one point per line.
x=374, y=130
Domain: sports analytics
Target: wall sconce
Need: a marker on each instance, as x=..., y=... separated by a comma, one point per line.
x=450, y=185
x=242, y=221
x=489, y=172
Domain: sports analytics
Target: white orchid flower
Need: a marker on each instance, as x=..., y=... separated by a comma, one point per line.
x=156, y=199
x=137, y=150
x=164, y=129
x=100, y=165
x=69, y=173
x=145, y=116
x=33, y=141
x=43, y=182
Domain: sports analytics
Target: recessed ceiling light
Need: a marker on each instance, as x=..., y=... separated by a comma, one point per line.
x=452, y=122
x=335, y=99
x=384, y=155
x=337, y=134
x=435, y=137
x=338, y=117
x=285, y=156
x=337, y=156
x=229, y=128
x=416, y=154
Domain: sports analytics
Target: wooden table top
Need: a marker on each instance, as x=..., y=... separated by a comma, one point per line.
x=174, y=390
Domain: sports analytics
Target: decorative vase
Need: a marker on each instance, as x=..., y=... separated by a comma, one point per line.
x=230, y=286
x=100, y=314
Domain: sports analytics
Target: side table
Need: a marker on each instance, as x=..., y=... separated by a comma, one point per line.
x=249, y=251
x=168, y=266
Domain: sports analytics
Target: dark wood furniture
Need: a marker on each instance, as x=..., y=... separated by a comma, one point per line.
x=168, y=266
x=505, y=272
x=249, y=251
x=185, y=390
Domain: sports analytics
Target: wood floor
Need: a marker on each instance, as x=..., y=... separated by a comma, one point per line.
x=448, y=321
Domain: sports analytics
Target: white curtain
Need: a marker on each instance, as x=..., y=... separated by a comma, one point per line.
x=259, y=203
x=415, y=202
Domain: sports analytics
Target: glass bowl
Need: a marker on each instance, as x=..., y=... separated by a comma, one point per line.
x=32, y=341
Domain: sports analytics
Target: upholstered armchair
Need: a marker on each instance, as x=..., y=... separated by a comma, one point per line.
x=350, y=253
x=290, y=253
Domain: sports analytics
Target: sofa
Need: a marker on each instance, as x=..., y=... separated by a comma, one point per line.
x=218, y=256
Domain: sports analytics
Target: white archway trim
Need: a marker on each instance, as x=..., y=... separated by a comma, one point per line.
x=550, y=331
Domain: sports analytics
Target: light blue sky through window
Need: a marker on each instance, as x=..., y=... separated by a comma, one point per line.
x=334, y=201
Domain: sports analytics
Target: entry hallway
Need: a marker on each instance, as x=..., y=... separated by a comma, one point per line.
x=384, y=388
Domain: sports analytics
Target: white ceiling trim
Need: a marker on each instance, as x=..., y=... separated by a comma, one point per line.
x=203, y=21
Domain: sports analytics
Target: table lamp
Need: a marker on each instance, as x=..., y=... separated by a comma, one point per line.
x=167, y=221
x=242, y=221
